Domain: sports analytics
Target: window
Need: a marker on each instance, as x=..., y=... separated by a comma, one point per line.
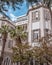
x=36, y=34
x=37, y=13
x=25, y=27
x=0, y=35
x=37, y=62
x=46, y=15
x=7, y=61
x=10, y=43
x=31, y=62
x=35, y=16
x=46, y=32
x=0, y=41
x=3, y=23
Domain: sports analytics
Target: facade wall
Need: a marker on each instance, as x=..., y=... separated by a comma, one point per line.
x=38, y=22
x=9, y=42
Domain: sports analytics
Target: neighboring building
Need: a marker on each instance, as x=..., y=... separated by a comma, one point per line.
x=8, y=51
x=37, y=23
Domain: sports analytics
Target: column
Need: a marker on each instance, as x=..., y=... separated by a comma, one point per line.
x=42, y=22
x=29, y=28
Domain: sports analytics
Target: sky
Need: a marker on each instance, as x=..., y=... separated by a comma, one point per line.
x=18, y=12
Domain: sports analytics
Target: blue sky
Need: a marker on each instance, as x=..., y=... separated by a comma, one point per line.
x=18, y=12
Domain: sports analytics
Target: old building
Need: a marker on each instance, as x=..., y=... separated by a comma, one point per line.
x=9, y=43
x=37, y=23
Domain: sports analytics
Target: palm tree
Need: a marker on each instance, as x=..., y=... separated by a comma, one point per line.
x=4, y=34
x=19, y=36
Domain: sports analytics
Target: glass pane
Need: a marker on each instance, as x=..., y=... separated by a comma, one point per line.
x=10, y=42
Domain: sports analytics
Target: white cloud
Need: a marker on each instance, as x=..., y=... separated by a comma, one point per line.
x=13, y=17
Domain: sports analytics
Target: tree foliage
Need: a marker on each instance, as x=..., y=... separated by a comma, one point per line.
x=18, y=34
x=47, y=3
x=42, y=53
x=21, y=51
x=45, y=49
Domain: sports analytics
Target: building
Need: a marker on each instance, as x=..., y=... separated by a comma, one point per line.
x=37, y=23
x=9, y=43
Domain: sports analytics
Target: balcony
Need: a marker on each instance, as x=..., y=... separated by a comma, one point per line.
x=22, y=18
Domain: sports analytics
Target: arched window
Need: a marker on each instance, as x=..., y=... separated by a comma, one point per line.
x=7, y=61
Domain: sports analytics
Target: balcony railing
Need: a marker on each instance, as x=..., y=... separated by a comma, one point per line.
x=22, y=18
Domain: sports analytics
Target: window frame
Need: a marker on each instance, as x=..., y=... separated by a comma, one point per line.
x=39, y=35
x=35, y=16
x=46, y=17
x=10, y=44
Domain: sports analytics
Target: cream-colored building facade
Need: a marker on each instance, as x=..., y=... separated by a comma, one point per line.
x=37, y=23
